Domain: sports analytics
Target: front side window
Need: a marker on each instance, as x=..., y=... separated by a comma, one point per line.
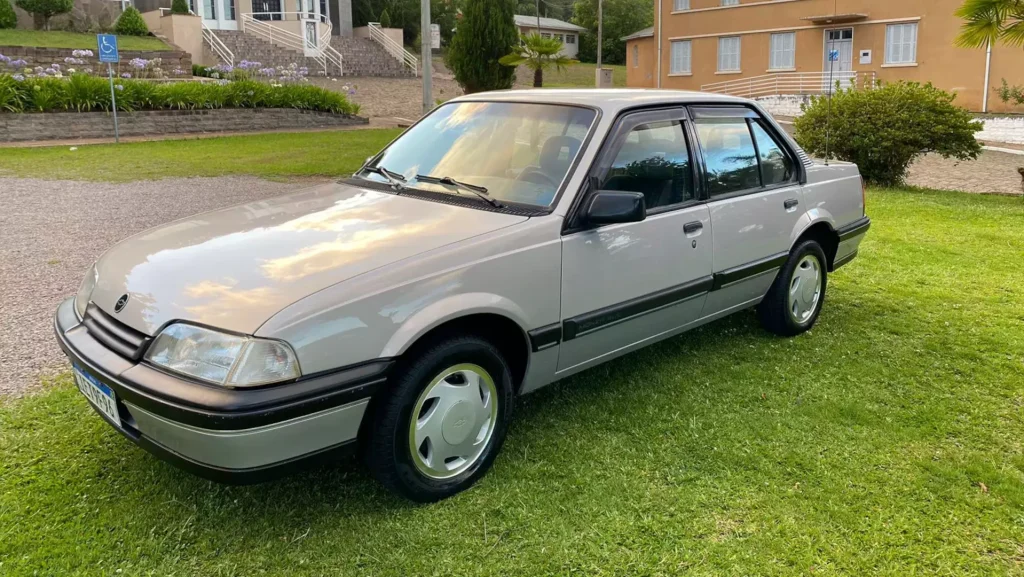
x=654, y=160
x=783, y=51
x=520, y=153
x=729, y=54
x=729, y=155
x=776, y=165
x=680, y=58
x=901, y=44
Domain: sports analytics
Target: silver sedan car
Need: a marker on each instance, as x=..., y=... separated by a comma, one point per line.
x=503, y=242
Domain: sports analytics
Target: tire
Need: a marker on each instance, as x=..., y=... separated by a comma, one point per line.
x=786, y=316
x=450, y=416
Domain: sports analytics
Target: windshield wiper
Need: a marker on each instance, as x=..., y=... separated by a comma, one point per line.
x=397, y=181
x=480, y=191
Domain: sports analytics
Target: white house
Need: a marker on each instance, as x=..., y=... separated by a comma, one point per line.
x=567, y=32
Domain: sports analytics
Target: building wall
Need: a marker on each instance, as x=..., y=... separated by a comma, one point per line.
x=938, y=60
x=640, y=62
x=568, y=50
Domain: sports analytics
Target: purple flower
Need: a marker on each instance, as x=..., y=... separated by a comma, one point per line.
x=246, y=65
x=19, y=63
x=82, y=53
x=18, y=78
x=125, y=75
x=119, y=87
x=5, y=59
x=138, y=63
x=267, y=71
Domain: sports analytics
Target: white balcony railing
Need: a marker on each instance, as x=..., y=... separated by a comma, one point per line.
x=266, y=25
x=791, y=83
x=394, y=48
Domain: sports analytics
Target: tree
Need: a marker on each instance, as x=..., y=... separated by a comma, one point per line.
x=179, y=7
x=385, y=19
x=537, y=54
x=883, y=129
x=621, y=18
x=45, y=9
x=8, y=19
x=486, y=32
x=991, y=21
x=130, y=23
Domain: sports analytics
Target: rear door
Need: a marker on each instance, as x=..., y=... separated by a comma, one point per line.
x=626, y=285
x=755, y=202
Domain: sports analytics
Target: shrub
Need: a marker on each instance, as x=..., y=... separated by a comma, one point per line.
x=486, y=33
x=385, y=19
x=130, y=23
x=8, y=19
x=45, y=9
x=1014, y=94
x=179, y=7
x=883, y=129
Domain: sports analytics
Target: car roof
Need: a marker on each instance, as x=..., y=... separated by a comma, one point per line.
x=610, y=100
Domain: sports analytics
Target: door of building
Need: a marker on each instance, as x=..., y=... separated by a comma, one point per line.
x=838, y=58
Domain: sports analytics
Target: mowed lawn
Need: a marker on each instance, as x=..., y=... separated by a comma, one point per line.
x=64, y=39
x=579, y=75
x=887, y=441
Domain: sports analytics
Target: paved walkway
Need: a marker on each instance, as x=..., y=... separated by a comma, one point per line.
x=993, y=172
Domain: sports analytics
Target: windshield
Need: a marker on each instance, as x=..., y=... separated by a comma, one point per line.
x=511, y=152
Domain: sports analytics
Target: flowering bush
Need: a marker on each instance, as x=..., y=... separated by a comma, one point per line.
x=248, y=70
x=83, y=93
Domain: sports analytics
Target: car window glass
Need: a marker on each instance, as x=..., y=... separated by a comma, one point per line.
x=776, y=165
x=654, y=159
x=728, y=155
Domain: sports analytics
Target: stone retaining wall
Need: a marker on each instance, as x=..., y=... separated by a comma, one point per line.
x=1009, y=130
x=88, y=125
x=783, y=105
x=172, y=59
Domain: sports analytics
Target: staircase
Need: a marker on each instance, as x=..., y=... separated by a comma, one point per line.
x=254, y=49
x=364, y=57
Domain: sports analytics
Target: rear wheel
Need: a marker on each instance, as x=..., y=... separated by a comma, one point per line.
x=443, y=421
x=794, y=302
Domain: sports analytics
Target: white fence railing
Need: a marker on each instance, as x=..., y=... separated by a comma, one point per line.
x=791, y=83
x=218, y=46
x=262, y=25
x=394, y=48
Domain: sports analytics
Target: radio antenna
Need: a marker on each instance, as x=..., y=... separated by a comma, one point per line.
x=832, y=57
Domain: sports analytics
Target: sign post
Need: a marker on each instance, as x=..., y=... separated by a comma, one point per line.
x=107, y=45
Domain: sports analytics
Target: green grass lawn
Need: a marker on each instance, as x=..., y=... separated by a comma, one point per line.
x=61, y=39
x=276, y=155
x=887, y=441
x=580, y=75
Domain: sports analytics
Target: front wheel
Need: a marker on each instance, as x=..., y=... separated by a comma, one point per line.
x=444, y=420
x=794, y=301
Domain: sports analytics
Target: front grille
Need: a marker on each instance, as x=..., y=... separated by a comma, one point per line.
x=115, y=335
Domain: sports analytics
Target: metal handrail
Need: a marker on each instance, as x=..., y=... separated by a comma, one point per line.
x=790, y=83
x=393, y=48
x=216, y=44
x=325, y=53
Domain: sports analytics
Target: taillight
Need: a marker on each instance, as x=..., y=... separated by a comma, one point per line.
x=863, y=196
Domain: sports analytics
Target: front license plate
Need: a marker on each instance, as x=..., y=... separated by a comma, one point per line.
x=100, y=395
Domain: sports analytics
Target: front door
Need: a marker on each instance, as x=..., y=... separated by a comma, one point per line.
x=266, y=9
x=838, y=58
x=219, y=14
x=626, y=285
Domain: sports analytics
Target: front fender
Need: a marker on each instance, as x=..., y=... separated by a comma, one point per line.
x=447, y=309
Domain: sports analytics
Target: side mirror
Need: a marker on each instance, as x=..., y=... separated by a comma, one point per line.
x=614, y=207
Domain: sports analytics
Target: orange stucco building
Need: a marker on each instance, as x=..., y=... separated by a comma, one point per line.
x=709, y=42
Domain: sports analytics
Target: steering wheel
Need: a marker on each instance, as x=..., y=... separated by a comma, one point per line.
x=534, y=175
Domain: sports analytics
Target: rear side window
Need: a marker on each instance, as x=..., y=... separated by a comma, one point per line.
x=729, y=155
x=776, y=165
x=655, y=160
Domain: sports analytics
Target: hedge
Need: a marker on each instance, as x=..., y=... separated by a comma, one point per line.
x=84, y=93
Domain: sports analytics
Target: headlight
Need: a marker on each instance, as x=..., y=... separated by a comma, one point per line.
x=221, y=358
x=85, y=291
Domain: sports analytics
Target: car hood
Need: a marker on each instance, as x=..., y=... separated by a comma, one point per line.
x=234, y=268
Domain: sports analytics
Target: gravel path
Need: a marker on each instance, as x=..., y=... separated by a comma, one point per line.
x=51, y=231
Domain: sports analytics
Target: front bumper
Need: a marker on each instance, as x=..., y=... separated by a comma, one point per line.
x=228, y=435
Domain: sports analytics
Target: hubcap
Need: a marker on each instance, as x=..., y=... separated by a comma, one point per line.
x=452, y=421
x=805, y=290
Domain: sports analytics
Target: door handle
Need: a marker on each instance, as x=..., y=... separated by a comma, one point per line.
x=692, y=227
x=791, y=203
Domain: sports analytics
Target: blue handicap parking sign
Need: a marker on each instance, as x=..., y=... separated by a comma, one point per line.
x=107, y=44
x=833, y=56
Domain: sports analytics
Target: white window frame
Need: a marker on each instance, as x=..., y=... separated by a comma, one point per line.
x=680, y=5
x=570, y=39
x=730, y=3
x=782, y=51
x=737, y=55
x=899, y=50
x=681, y=60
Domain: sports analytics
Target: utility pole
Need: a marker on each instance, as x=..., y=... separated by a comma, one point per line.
x=538, y=17
x=425, y=54
x=600, y=31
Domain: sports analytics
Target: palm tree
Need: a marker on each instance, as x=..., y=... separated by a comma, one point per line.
x=537, y=54
x=991, y=21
